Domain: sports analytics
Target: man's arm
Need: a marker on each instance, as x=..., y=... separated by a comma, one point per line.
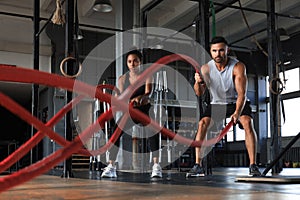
x=200, y=85
x=241, y=85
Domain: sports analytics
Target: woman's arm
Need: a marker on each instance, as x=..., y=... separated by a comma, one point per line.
x=121, y=82
x=144, y=98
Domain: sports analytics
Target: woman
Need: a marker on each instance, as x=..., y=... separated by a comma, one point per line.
x=141, y=101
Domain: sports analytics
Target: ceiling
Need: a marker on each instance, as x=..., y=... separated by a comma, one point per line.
x=172, y=14
x=178, y=15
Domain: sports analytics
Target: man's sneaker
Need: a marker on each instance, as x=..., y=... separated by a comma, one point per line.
x=254, y=170
x=196, y=171
x=156, y=171
x=109, y=172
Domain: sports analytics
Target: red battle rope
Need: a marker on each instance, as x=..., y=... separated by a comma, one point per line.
x=22, y=75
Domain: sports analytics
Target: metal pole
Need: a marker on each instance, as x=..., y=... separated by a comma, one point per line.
x=202, y=36
x=288, y=146
x=273, y=73
x=35, y=87
x=70, y=70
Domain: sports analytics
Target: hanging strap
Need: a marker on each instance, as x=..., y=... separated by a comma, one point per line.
x=280, y=65
x=282, y=108
x=213, y=15
x=76, y=27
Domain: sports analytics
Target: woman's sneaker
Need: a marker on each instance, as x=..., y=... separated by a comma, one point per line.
x=156, y=171
x=254, y=170
x=196, y=171
x=109, y=172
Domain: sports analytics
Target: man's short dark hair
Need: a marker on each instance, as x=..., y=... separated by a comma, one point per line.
x=218, y=39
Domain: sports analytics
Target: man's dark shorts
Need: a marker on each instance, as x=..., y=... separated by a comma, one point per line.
x=220, y=112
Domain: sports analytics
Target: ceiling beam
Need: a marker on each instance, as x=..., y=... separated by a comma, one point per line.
x=257, y=10
x=86, y=8
x=44, y=4
x=180, y=9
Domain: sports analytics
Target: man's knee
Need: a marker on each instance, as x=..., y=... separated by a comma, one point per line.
x=245, y=123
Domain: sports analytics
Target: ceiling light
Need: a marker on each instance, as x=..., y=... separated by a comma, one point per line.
x=155, y=43
x=79, y=35
x=283, y=34
x=102, y=6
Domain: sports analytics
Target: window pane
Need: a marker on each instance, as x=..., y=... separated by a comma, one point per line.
x=240, y=134
x=230, y=132
x=292, y=83
x=230, y=136
x=291, y=126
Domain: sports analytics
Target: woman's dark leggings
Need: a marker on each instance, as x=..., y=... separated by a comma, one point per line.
x=153, y=140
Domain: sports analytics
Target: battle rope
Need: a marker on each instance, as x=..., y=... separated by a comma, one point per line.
x=32, y=76
x=27, y=146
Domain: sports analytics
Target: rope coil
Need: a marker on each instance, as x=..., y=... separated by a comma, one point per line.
x=59, y=15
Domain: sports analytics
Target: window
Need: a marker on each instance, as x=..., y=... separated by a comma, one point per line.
x=290, y=126
x=292, y=83
x=237, y=135
x=240, y=134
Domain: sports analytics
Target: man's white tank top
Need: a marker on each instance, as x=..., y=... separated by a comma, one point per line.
x=221, y=85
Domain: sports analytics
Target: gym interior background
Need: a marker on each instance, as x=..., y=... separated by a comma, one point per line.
x=252, y=28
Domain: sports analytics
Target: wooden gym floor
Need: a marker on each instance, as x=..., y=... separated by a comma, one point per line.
x=222, y=184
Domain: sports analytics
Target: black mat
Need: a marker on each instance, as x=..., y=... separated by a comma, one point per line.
x=269, y=179
x=231, y=178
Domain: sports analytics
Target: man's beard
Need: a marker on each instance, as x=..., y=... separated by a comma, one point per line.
x=219, y=59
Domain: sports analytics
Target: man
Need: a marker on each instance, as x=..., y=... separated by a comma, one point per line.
x=226, y=79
